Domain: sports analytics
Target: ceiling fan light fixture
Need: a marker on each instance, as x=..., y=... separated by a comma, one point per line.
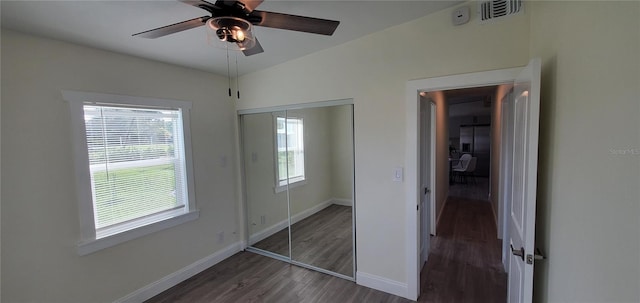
x=238, y=34
x=229, y=24
x=231, y=33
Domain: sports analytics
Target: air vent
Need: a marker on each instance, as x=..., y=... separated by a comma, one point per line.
x=499, y=8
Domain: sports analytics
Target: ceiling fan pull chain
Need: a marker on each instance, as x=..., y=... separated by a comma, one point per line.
x=228, y=69
x=237, y=81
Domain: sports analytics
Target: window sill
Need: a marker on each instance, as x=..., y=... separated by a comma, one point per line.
x=279, y=189
x=90, y=246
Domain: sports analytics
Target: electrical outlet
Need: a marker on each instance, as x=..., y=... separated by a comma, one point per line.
x=220, y=237
x=263, y=220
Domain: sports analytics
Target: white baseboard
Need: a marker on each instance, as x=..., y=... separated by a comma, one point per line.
x=382, y=284
x=444, y=204
x=343, y=202
x=267, y=232
x=310, y=211
x=157, y=287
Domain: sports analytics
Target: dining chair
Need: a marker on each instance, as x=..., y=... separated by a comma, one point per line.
x=464, y=159
x=467, y=169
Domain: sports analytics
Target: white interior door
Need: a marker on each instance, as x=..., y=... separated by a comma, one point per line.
x=506, y=168
x=425, y=178
x=526, y=112
x=432, y=154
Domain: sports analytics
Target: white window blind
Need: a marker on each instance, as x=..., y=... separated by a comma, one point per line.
x=137, y=163
x=290, y=145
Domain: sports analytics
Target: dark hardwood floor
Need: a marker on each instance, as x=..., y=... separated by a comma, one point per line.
x=476, y=188
x=464, y=263
x=249, y=277
x=463, y=266
x=324, y=240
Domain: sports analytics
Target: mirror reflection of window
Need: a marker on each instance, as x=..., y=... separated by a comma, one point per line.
x=290, y=150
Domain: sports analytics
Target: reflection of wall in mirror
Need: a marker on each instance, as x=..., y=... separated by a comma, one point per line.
x=342, y=152
x=258, y=145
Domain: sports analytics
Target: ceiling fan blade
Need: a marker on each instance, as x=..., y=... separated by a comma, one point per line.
x=173, y=28
x=256, y=49
x=294, y=23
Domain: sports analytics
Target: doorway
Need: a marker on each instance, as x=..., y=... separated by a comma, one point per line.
x=520, y=219
x=465, y=263
x=473, y=136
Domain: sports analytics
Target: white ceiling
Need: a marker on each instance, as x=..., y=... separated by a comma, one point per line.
x=109, y=25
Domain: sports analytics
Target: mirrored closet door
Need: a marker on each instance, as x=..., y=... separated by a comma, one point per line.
x=267, y=206
x=298, y=174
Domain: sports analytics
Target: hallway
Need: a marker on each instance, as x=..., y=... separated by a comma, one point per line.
x=464, y=264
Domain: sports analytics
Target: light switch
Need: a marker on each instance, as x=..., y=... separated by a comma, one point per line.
x=398, y=174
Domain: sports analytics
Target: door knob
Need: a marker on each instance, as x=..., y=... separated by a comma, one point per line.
x=519, y=252
x=426, y=190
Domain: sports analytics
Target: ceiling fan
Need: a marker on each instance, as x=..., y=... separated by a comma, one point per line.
x=232, y=22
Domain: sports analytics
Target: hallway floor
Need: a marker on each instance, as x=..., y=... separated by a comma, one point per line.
x=476, y=188
x=464, y=263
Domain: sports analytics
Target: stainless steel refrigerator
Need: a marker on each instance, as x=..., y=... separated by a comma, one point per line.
x=476, y=140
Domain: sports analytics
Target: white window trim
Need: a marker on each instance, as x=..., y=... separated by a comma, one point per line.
x=281, y=188
x=89, y=241
x=291, y=182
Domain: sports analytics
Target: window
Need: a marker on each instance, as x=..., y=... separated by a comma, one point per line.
x=290, y=151
x=133, y=166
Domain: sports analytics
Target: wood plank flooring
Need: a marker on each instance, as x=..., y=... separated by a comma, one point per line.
x=464, y=266
x=324, y=240
x=476, y=188
x=249, y=277
x=464, y=263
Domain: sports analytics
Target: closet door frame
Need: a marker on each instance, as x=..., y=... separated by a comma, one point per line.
x=244, y=204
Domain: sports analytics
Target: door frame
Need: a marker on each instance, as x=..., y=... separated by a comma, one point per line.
x=412, y=155
x=244, y=214
x=432, y=146
x=427, y=172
